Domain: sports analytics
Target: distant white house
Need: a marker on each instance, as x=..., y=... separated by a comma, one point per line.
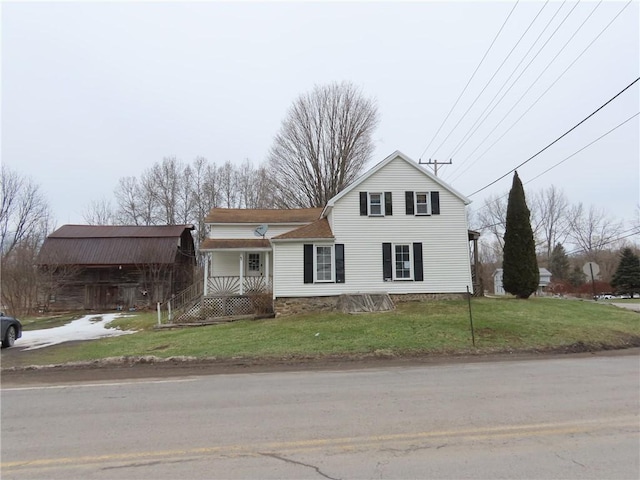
x=545, y=280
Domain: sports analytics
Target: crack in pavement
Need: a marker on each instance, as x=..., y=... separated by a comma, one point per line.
x=570, y=460
x=288, y=460
x=147, y=464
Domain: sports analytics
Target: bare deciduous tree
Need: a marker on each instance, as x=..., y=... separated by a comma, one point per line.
x=128, y=197
x=23, y=209
x=491, y=218
x=551, y=218
x=323, y=144
x=99, y=212
x=592, y=230
x=228, y=186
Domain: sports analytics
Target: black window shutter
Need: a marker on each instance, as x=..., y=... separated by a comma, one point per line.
x=308, y=263
x=388, y=208
x=435, y=203
x=418, y=274
x=339, y=263
x=363, y=203
x=387, y=272
x=408, y=198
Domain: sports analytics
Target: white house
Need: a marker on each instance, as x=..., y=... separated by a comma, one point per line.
x=397, y=229
x=498, y=289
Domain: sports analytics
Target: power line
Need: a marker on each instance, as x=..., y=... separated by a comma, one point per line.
x=585, y=147
x=536, y=101
x=567, y=158
x=472, y=131
x=634, y=231
x=560, y=137
x=490, y=80
x=471, y=78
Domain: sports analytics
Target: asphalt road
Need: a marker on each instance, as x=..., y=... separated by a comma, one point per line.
x=557, y=418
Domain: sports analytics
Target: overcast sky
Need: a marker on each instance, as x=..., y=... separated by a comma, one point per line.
x=92, y=92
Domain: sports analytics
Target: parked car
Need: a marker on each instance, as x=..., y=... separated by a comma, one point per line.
x=11, y=330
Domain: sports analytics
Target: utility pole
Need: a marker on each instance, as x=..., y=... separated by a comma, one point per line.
x=435, y=164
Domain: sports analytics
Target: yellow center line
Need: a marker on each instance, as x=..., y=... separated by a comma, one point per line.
x=341, y=443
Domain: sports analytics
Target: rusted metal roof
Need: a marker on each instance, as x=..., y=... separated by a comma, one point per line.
x=318, y=229
x=242, y=215
x=112, y=245
x=248, y=243
x=119, y=231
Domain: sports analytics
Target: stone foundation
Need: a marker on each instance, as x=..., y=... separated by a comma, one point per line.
x=426, y=297
x=285, y=306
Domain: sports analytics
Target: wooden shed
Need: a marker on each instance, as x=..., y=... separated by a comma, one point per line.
x=103, y=267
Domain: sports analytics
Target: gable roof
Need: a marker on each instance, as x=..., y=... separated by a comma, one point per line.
x=382, y=164
x=119, y=231
x=106, y=245
x=242, y=215
x=316, y=230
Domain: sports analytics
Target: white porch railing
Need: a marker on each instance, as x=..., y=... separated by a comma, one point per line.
x=230, y=285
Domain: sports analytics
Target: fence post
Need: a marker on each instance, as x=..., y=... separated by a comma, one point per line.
x=169, y=316
x=159, y=314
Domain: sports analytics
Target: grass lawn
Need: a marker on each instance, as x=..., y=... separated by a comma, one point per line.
x=440, y=327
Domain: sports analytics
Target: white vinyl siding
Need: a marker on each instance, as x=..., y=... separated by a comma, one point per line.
x=226, y=231
x=444, y=238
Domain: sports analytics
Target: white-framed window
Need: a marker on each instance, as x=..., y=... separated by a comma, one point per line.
x=323, y=265
x=422, y=206
x=403, y=264
x=376, y=204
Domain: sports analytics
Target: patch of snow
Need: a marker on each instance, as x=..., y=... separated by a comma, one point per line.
x=89, y=327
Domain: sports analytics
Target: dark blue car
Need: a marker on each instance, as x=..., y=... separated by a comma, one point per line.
x=11, y=330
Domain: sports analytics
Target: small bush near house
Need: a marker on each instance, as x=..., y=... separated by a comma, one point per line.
x=262, y=303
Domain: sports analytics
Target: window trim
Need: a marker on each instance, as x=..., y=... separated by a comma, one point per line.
x=427, y=203
x=382, y=204
x=393, y=262
x=315, y=262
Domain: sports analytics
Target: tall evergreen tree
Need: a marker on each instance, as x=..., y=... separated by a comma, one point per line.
x=627, y=276
x=521, y=275
x=559, y=263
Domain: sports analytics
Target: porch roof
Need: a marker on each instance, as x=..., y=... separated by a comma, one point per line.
x=235, y=244
x=316, y=230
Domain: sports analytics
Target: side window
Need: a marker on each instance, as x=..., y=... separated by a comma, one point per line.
x=422, y=203
x=324, y=263
x=375, y=204
x=402, y=259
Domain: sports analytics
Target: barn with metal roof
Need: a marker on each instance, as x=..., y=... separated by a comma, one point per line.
x=104, y=267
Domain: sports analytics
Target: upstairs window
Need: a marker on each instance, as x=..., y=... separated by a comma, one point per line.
x=422, y=203
x=375, y=204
